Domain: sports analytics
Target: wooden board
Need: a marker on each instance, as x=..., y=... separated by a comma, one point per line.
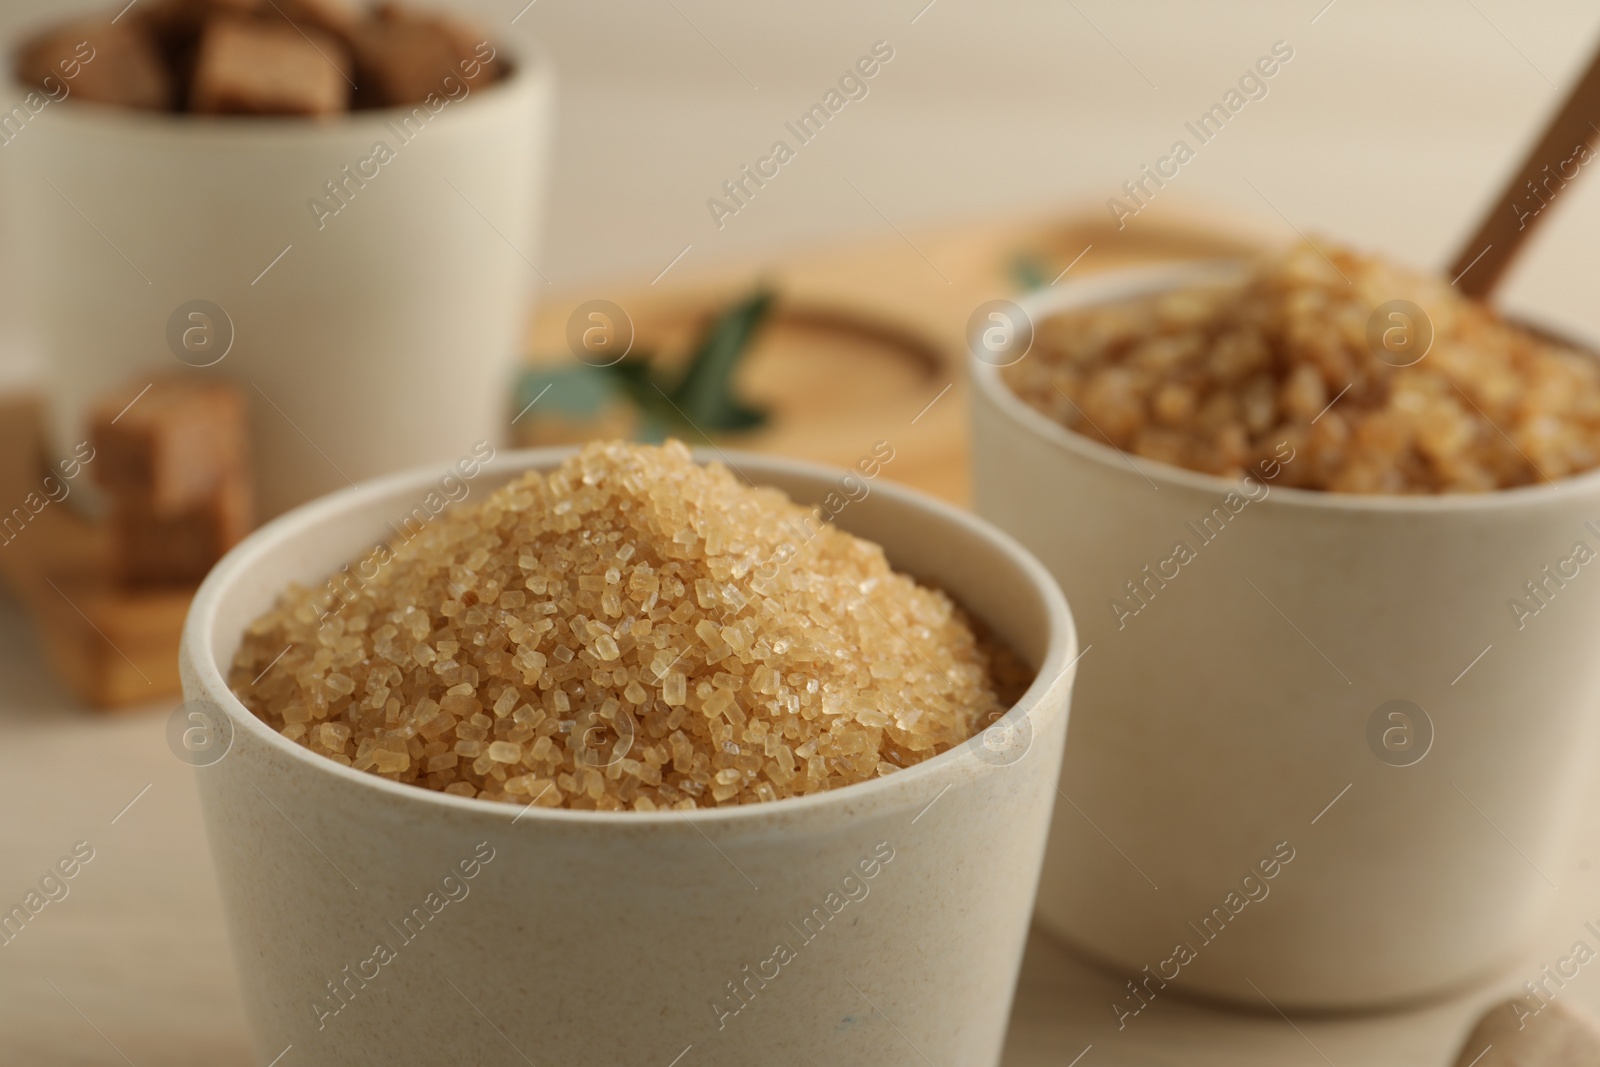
x=834, y=391
x=865, y=345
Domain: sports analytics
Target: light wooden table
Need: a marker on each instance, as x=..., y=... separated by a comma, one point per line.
x=133, y=966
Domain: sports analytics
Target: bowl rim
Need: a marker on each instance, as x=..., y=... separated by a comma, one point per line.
x=198, y=658
x=530, y=70
x=1126, y=283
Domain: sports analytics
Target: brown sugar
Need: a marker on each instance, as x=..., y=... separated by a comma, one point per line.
x=171, y=455
x=406, y=56
x=170, y=442
x=178, y=547
x=264, y=68
x=1288, y=363
x=630, y=631
x=309, y=58
x=337, y=17
x=98, y=60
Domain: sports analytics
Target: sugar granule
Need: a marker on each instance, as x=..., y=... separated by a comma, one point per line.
x=1222, y=379
x=630, y=631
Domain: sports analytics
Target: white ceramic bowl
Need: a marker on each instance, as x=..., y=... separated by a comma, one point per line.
x=594, y=938
x=406, y=306
x=1248, y=693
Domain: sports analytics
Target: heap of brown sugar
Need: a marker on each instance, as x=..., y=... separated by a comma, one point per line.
x=260, y=57
x=630, y=631
x=1297, y=360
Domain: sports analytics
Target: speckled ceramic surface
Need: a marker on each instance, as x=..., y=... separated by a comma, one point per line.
x=876, y=925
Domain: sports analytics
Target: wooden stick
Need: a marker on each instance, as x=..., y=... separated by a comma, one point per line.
x=1567, y=144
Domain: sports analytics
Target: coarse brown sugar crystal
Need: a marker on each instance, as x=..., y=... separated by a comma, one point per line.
x=1294, y=373
x=629, y=631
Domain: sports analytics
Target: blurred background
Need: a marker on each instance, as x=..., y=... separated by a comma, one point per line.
x=1391, y=129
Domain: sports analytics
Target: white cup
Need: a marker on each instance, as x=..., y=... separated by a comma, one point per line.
x=592, y=939
x=1242, y=713
x=371, y=339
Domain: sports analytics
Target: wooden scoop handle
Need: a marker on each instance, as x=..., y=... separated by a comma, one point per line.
x=1563, y=151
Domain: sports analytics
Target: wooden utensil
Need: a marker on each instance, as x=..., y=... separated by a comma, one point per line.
x=1552, y=164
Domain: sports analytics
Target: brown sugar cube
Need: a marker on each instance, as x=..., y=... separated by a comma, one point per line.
x=177, y=24
x=464, y=35
x=100, y=61
x=402, y=57
x=180, y=20
x=264, y=68
x=152, y=548
x=166, y=16
x=336, y=17
x=172, y=446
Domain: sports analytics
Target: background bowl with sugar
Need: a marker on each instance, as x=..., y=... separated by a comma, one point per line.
x=1231, y=712
x=129, y=221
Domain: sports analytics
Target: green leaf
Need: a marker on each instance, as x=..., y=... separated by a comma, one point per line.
x=578, y=392
x=1029, y=272
x=705, y=396
x=702, y=402
x=635, y=379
